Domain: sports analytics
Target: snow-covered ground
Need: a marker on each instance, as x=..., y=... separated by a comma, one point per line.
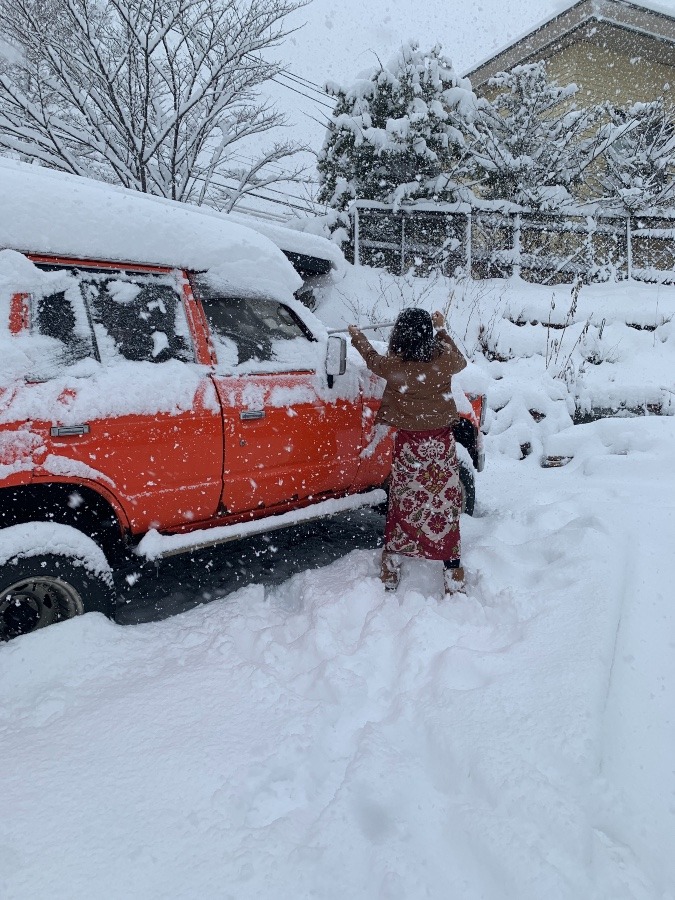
x=325, y=739
x=320, y=738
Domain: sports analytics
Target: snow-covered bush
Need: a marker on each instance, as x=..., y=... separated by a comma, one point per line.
x=638, y=174
x=530, y=144
x=396, y=134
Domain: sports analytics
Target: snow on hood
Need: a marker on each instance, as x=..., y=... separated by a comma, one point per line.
x=44, y=211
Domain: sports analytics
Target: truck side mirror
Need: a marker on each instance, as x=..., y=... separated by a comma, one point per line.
x=336, y=357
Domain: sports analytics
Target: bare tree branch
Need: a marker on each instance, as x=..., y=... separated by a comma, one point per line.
x=157, y=95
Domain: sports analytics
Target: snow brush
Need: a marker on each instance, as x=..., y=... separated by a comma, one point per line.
x=363, y=328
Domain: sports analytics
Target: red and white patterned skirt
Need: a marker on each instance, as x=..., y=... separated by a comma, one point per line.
x=425, y=497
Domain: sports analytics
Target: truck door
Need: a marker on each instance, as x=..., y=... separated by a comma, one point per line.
x=287, y=436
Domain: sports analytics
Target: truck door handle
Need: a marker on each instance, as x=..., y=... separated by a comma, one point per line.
x=247, y=414
x=68, y=430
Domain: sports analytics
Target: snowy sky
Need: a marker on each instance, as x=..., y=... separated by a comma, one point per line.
x=339, y=40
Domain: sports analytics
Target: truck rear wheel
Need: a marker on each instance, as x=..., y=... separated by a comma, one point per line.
x=40, y=588
x=468, y=484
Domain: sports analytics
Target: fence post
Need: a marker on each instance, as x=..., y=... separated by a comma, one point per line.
x=357, y=249
x=467, y=252
x=515, y=268
x=629, y=249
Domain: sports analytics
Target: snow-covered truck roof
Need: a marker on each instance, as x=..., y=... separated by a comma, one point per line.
x=48, y=212
x=309, y=253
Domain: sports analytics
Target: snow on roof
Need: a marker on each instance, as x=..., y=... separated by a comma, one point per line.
x=648, y=18
x=44, y=211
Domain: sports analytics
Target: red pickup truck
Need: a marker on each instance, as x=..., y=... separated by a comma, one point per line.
x=150, y=409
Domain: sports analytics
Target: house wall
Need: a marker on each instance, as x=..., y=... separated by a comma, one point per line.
x=604, y=73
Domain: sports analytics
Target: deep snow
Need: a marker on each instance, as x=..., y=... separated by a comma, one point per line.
x=325, y=739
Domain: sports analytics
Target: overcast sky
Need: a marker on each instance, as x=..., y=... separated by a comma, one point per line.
x=341, y=38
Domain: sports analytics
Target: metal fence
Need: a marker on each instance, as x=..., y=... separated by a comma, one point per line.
x=540, y=247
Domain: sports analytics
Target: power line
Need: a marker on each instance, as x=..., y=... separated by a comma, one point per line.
x=239, y=157
x=302, y=94
x=305, y=82
x=271, y=190
x=310, y=85
x=252, y=193
x=285, y=203
x=314, y=119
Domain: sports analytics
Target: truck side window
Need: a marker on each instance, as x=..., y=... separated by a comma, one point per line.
x=138, y=316
x=61, y=317
x=249, y=329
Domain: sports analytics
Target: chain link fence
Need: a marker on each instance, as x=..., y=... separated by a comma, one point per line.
x=540, y=247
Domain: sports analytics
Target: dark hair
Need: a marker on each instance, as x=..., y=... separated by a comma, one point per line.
x=413, y=336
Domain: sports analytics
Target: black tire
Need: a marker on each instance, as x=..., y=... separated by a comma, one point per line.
x=468, y=483
x=37, y=591
x=381, y=508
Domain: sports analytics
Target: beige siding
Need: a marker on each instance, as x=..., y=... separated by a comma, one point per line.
x=603, y=73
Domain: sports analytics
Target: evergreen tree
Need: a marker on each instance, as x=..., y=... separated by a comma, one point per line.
x=530, y=144
x=394, y=134
x=639, y=171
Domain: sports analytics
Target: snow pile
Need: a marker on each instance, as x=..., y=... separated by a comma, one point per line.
x=323, y=738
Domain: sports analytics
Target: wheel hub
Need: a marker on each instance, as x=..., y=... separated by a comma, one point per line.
x=34, y=603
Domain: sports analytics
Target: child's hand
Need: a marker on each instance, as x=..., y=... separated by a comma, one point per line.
x=437, y=319
x=353, y=330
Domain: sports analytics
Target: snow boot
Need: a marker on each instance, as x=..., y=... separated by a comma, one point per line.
x=453, y=579
x=390, y=572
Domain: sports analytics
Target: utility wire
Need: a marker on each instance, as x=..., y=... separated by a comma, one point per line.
x=279, y=193
x=308, y=85
x=239, y=157
x=314, y=119
x=302, y=94
x=253, y=193
x=304, y=82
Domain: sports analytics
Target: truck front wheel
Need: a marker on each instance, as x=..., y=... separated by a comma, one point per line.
x=49, y=573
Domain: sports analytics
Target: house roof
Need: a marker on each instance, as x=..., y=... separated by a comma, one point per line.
x=626, y=26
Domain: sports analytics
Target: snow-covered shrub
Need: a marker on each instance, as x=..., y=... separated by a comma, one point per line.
x=530, y=144
x=638, y=174
x=396, y=132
